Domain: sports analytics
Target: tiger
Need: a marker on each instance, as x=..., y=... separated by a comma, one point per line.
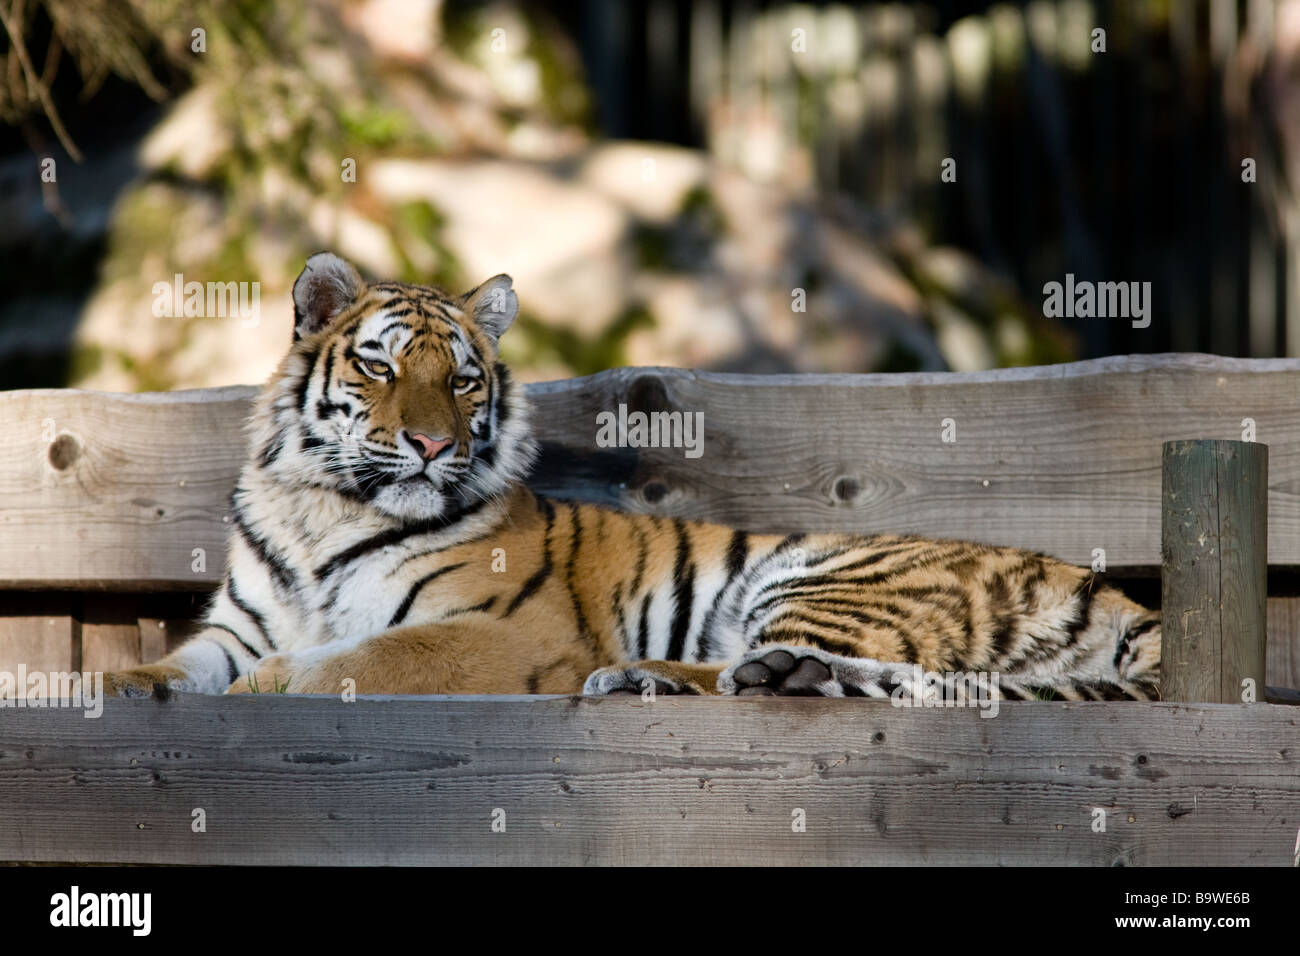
x=383, y=540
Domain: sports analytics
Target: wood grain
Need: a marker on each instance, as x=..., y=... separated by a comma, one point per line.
x=38, y=632
x=1214, y=571
x=1283, y=665
x=1063, y=459
x=110, y=635
x=313, y=780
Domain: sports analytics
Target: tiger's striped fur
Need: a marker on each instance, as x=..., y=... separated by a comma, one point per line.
x=381, y=532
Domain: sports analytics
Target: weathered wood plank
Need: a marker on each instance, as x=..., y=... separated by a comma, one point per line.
x=1215, y=570
x=1063, y=459
x=1284, y=642
x=284, y=779
x=125, y=492
x=110, y=634
x=153, y=638
x=159, y=635
x=39, y=634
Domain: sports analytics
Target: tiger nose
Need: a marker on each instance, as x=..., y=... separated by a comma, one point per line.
x=429, y=448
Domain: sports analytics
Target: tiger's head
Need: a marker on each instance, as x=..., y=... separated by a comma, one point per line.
x=392, y=394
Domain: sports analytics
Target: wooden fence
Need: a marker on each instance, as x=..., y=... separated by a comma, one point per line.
x=313, y=780
x=112, y=529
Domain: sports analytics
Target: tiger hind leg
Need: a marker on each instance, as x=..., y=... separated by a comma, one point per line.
x=793, y=670
x=1078, y=689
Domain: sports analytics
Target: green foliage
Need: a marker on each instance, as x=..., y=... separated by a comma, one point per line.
x=417, y=235
x=375, y=127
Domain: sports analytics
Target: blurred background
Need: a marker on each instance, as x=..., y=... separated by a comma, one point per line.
x=740, y=186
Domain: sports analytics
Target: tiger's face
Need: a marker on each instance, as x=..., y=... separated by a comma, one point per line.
x=393, y=394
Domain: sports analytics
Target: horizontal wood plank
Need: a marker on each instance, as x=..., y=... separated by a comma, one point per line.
x=132, y=490
x=314, y=780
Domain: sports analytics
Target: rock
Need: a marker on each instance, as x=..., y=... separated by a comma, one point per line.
x=559, y=239
x=649, y=180
x=192, y=139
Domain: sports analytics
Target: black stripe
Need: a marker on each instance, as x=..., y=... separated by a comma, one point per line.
x=734, y=565
x=232, y=669
x=810, y=585
x=1111, y=691
x=788, y=542
x=481, y=606
x=301, y=393
x=1084, y=613
x=797, y=591
x=642, y=555
x=255, y=617
x=866, y=561
x=811, y=629
x=324, y=403
x=643, y=629
x=485, y=433
x=538, y=577
x=503, y=393
x=580, y=615
x=280, y=571
x=531, y=586
x=620, y=616
x=787, y=635
x=272, y=451
x=1004, y=630
x=1143, y=629
x=396, y=536
x=242, y=643
x=737, y=552
x=400, y=614
x=683, y=593
x=421, y=555
x=1122, y=646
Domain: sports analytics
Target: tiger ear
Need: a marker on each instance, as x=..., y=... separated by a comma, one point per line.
x=326, y=286
x=493, y=304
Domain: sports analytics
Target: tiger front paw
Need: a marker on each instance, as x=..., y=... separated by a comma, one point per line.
x=146, y=682
x=630, y=682
x=653, y=678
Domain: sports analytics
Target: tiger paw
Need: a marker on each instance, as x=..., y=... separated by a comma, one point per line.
x=791, y=670
x=145, y=682
x=633, y=681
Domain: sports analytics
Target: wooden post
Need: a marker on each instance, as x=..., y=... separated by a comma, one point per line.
x=1214, y=568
